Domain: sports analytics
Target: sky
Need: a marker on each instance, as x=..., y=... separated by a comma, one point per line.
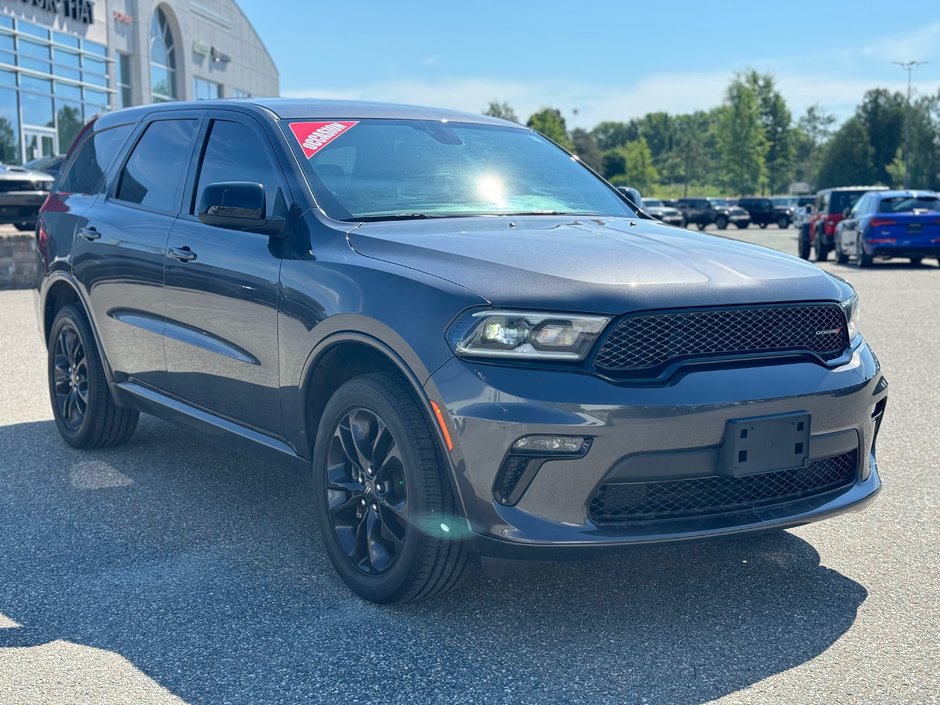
x=595, y=60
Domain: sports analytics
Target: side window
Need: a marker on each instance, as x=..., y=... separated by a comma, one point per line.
x=235, y=152
x=823, y=204
x=86, y=173
x=155, y=169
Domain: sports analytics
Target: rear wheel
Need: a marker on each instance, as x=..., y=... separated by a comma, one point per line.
x=804, y=244
x=841, y=257
x=742, y=224
x=783, y=222
x=25, y=227
x=385, y=509
x=763, y=225
x=84, y=411
x=863, y=259
x=701, y=226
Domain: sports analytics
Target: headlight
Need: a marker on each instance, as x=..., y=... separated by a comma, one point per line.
x=524, y=335
x=850, y=307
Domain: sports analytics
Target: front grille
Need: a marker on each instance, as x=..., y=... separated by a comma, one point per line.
x=646, y=343
x=624, y=502
x=7, y=185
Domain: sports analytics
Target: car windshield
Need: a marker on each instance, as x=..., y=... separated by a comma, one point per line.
x=401, y=169
x=844, y=199
x=908, y=204
x=718, y=201
x=652, y=203
x=783, y=201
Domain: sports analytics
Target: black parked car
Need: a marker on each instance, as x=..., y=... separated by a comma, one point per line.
x=467, y=341
x=703, y=212
x=763, y=211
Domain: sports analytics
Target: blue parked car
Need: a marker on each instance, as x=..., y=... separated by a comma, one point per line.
x=890, y=224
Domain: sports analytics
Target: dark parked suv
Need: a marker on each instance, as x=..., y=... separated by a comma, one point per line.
x=467, y=341
x=763, y=212
x=706, y=211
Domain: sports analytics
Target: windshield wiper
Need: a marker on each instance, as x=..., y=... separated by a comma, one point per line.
x=402, y=216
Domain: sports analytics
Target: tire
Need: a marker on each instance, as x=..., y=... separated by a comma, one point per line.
x=743, y=224
x=804, y=246
x=721, y=222
x=915, y=261
x=701, y=226
x=863, y=259
x=763, y=225
x=783, y=222
x=25, y=227
x=84, y=411
x=684, y=223
x=405, y=507
x=841, y=257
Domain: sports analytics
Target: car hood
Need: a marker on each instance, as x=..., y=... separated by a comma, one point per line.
x=603, y=265
x=18, y=173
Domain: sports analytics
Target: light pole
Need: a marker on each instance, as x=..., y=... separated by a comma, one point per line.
x=908, y=66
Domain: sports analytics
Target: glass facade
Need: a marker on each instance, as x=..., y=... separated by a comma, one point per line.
x=50, y=84
x=206, y=90
x=162, y=59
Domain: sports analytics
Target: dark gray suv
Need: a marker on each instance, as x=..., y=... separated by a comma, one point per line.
x=471, y=345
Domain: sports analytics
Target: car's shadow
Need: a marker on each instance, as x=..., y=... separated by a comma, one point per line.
x=204, y=571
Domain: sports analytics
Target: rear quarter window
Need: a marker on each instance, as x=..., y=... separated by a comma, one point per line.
x=85, y=174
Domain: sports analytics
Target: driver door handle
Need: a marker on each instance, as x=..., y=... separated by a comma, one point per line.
x=183, y=254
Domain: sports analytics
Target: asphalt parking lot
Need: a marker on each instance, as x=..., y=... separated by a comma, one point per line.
x=171, y=570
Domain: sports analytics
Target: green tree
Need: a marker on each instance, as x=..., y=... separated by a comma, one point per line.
x=549, y=122
x=740, y=139
x=613, y=162
x=610, y=135
x=778, y=131
x=812, y=133
x=848, y=157
x=881, y=113
x=586, y=148
x=501, y=110
x=639, y=171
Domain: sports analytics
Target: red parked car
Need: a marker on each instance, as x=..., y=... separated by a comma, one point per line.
x=820, y=228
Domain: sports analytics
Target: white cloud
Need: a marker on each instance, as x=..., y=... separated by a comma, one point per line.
x=919, y=45
x=670, y=92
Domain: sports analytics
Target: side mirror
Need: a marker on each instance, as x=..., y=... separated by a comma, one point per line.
x=633, y=196
x=846, y=212
x=238, y=205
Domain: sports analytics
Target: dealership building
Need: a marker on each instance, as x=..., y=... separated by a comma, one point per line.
x=63, y=61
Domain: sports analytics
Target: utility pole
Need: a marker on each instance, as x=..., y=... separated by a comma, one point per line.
x=908, y=66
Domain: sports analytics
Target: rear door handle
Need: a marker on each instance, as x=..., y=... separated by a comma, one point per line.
x=183, y=254
x=89, y=234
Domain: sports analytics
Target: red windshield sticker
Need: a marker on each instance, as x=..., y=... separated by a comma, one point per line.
x=314, y=136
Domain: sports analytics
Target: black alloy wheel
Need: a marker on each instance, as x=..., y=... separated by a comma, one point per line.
x=385, y=508
x=84, y=411
x=721, y=222
x=367, y=495
x=70, y=378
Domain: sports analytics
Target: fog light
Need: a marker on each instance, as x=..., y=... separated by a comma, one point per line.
x=549, y=444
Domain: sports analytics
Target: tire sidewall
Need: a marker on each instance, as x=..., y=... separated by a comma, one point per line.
x=69, y=317
x=390, y=585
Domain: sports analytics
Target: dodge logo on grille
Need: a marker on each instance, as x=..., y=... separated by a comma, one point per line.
x=830, y=331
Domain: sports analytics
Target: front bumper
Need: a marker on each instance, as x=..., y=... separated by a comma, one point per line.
x=642, y=434
x=21, y=206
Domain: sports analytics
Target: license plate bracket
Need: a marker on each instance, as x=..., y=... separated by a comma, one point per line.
x=764, y=444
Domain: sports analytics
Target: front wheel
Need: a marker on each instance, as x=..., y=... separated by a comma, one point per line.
x=742, y=224
x=916, y=261
x=385, y=509
x=783, y=222
x=82, y=407
x=721, y=222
